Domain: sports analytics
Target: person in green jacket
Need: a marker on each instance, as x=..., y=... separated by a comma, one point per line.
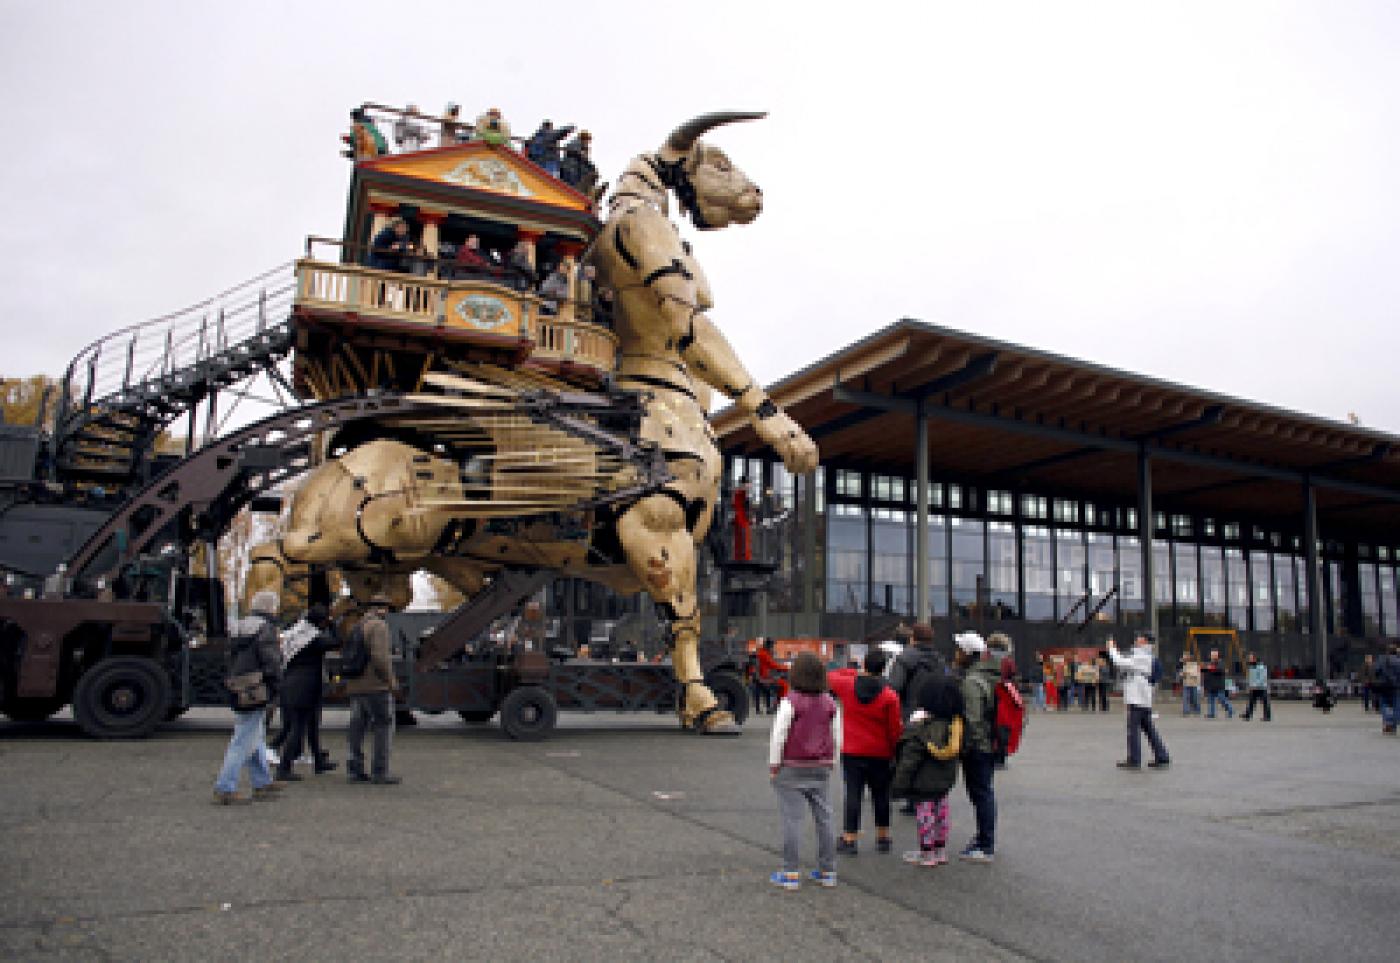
x=1257, y=679
x=980, y=678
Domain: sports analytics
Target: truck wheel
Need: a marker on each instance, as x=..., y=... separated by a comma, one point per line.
x=476, y=715
x=528, y=713
x=33, y=710
x=732, y=694
x=122, y=698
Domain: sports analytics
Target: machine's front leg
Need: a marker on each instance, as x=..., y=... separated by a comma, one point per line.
x=661, y=553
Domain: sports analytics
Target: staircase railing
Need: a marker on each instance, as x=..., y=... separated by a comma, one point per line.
x=143, y=353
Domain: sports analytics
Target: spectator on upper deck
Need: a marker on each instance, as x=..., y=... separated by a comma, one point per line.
x=493, y=128
x=555, y=289
x=364, y=138
x=451, y=129
x=409, y=135
x=543, y=146
x=471, y=263
x=520, y=271
x=603, y=306
x=577, y=168
x=391, y=248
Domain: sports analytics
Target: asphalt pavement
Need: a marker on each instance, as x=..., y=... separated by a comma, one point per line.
x=623, y=838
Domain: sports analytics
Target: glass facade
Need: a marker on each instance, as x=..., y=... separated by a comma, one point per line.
x=1008, y=554
x=970, y=593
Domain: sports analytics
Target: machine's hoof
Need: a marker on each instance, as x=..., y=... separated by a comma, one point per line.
x=717, y=722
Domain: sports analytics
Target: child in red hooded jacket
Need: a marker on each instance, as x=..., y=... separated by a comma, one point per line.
x=870, y=729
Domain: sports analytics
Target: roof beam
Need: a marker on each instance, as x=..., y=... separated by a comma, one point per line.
x=975, y=368
x=1074, y=436
x=1211, y=416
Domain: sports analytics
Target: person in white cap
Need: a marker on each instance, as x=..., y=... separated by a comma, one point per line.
x=980, y=678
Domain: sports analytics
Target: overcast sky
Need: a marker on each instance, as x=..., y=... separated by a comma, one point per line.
x=1205, y=192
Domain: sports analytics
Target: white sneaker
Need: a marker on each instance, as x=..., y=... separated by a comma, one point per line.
x=272, y=757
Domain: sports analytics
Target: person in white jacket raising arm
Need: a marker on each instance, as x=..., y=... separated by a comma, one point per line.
x=1137, y=696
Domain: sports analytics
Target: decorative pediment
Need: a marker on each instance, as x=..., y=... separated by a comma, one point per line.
x=480, y=166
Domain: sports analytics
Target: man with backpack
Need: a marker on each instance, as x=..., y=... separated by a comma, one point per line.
x=980, y=679
x=1139, y=671
x=368, y=668
x=255, y=672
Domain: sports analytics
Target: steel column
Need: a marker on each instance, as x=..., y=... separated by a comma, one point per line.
x=809, y=545
x=921, y=569
x=1317, y=614
x=1145, y=531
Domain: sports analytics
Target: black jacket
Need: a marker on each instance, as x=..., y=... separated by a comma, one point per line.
x=912, y=662
x=301, y=684
x=1213, y=676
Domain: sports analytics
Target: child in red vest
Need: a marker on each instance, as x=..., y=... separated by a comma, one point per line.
x=805, y=743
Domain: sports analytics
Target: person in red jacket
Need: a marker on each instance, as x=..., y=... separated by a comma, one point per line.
x=770, y=677
x=871, y=726
x=743, y=537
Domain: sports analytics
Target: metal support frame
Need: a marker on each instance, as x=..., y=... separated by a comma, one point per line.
x=1317, y=611
x=809, y=546
x=922, y=575
x=1145, y=532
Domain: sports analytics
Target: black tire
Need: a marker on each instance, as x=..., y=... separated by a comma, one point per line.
x=732, y=694
x=528, y=713
x=476, y=715
x=175, y=712
x=33, y=710
x=124, y=697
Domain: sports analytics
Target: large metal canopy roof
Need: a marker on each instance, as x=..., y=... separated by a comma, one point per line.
x=1013, y=416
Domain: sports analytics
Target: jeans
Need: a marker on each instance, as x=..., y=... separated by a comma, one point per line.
x=1190, y=700
x=978, y=769
x=247, y=749
x=1039, y=689
x=1064, y=698
x=1086, y=696
x=373, y=710
x=1139, y=722
x=1211, y=697
x=799, y=788
x=1255, y=696
x=859, y=772
x=1387, y=700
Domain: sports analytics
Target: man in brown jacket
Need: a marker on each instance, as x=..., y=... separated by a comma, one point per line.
x=372, y=699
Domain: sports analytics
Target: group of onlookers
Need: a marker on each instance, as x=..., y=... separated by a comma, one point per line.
x=907, y=736
x=1064, y=680
x=394, y=248
x=571, y=161
x=268, y=668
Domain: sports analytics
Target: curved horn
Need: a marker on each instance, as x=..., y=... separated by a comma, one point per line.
x=683, y=138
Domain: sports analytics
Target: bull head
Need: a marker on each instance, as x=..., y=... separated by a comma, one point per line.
x=709, y=187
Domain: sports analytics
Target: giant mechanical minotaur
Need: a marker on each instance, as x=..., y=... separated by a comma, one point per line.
x=536, y=493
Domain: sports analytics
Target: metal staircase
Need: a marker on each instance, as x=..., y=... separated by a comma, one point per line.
x=122, y=391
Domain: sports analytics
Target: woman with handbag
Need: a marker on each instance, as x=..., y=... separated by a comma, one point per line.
x=255, y=672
